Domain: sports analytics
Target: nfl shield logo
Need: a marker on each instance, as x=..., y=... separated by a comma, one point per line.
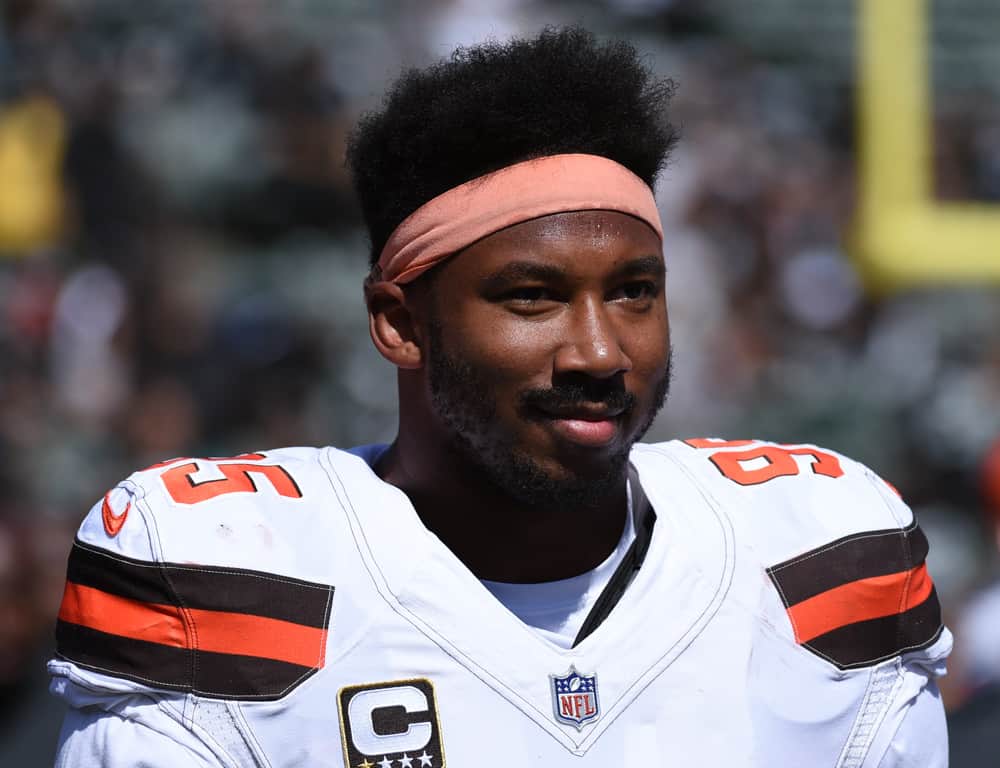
x=574, y=698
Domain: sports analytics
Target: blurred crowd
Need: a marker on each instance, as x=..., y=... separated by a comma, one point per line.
x=181, y=262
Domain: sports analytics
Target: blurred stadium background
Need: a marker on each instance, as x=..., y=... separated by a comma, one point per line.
x=180, y=258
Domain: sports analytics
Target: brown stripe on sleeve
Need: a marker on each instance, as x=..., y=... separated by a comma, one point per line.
x=207, y=587
x=218, y=675
x=868, y=642
x=861, y=556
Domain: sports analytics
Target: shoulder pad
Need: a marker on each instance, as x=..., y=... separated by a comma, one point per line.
x=842, y=549
x=148, y=600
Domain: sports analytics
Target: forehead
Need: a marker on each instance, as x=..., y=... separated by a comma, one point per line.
x=578, y=243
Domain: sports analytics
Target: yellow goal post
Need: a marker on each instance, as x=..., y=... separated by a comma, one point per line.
x=903, y=237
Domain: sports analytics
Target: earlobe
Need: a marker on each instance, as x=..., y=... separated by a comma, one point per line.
x=391, y=325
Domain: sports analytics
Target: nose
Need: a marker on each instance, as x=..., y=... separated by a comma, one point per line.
x=592, y=344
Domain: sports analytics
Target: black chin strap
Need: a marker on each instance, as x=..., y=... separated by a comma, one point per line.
x=644, y=518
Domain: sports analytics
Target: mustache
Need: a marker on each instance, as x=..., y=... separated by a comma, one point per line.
x=612, y=396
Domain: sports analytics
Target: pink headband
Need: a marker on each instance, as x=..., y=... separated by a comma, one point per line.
x=469, y=212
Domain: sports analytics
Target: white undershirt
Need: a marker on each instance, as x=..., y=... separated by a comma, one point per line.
x=554, y=610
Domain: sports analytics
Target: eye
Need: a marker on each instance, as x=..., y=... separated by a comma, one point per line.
x=528, y=294
x=637, y=290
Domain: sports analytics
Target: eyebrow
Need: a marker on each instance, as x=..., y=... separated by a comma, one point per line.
x=644, y=265
x=514, y=271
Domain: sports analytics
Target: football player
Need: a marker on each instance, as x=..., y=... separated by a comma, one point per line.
x=515, y=580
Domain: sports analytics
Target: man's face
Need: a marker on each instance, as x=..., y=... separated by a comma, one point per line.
x=549, y=353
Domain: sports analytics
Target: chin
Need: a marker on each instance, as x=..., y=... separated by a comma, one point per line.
x=580, y=478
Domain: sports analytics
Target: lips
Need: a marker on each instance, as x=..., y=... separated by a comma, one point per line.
x=589, y=426
x=593, y=434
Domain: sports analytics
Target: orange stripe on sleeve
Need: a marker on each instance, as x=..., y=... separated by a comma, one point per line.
x=213, y=631
x=121, y=616
x=860, y=600
x=260, y=636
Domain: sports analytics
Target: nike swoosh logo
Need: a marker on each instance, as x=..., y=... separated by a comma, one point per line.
x=113, y=523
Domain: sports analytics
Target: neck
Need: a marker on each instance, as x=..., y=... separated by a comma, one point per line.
x=496, y=536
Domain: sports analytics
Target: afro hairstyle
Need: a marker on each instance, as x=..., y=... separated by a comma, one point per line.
x=496, y=104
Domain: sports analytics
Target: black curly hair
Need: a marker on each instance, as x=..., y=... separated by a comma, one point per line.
x=496, y=104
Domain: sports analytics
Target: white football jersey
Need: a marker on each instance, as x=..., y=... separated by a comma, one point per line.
x=288, y=608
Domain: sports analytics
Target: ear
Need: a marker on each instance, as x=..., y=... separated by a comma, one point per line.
x=392, y=325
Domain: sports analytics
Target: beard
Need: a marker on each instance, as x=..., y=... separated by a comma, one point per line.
x=462, y=398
